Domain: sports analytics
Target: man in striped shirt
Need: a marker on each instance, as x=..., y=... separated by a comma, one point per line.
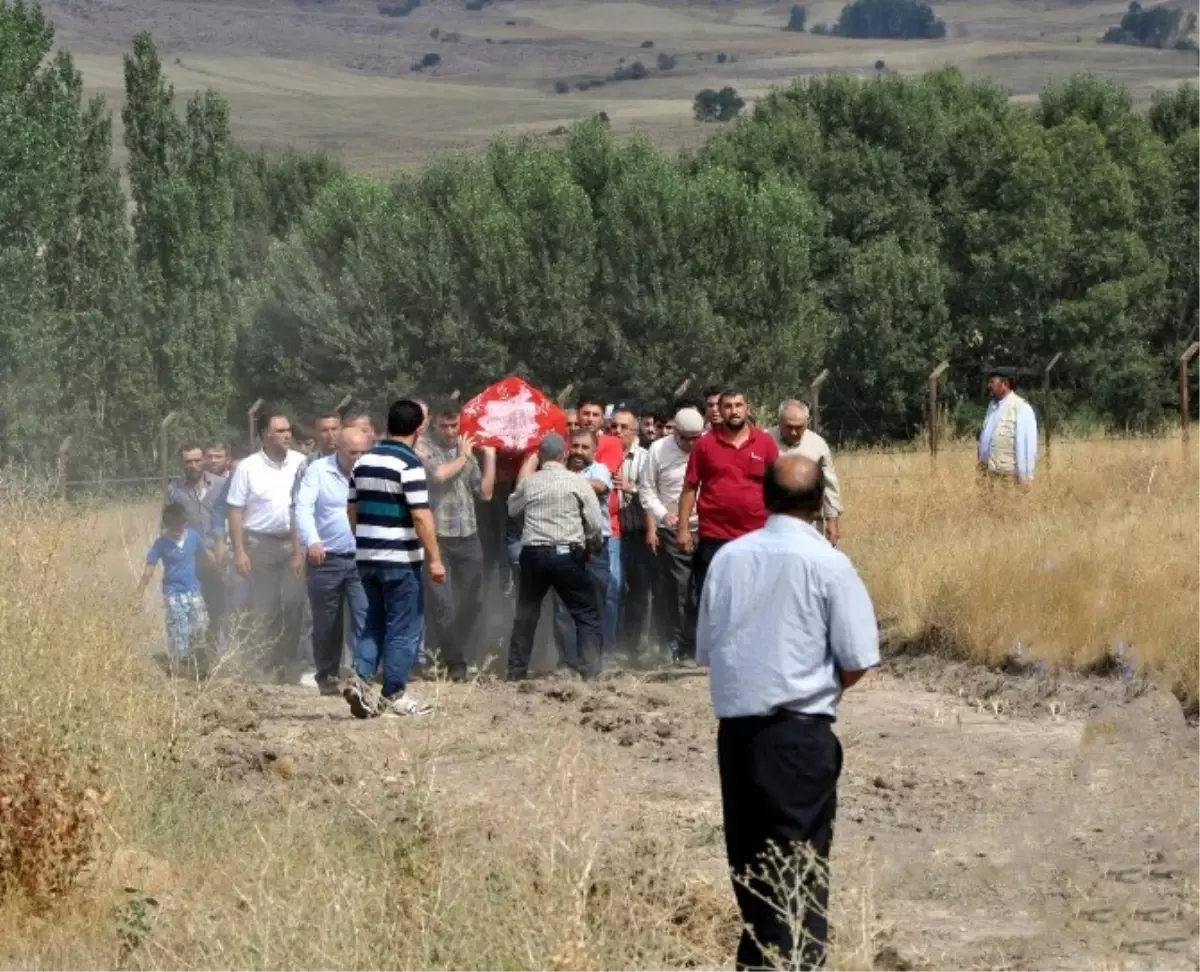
x=388, y=507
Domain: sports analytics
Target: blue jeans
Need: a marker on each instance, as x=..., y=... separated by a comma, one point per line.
x=395, y=623
x=614, y=592
x=335, y=594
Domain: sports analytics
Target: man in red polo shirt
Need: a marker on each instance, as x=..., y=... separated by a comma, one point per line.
x=726, y=467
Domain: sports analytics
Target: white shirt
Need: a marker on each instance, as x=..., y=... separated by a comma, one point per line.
x=783, y=613
x=661, y=481
x=263, y=490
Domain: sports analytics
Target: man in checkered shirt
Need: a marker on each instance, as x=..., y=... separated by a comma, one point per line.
x=456, y=480
x=563, y=525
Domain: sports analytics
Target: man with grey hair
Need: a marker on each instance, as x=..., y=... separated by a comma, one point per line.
x=659, y=486
x=563, y=526
x=795, y=438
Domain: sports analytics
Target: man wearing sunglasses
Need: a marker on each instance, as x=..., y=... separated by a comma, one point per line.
x=659, y=488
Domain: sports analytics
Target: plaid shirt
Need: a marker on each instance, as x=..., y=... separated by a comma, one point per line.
x=453, y=502
x=559, y=506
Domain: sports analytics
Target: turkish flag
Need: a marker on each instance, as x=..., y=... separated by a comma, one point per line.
x=512, y=416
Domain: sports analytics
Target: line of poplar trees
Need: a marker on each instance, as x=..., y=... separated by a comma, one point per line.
x=873, y=227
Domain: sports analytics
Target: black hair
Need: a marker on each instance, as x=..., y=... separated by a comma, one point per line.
x=445, y=408
x=173, y=513
x=712, y=390
x=218, y=444
x=404, y=418
x=732, y=392
x=589, y=400
x=326, y=415
x=785, y=499
x=266, y=417
x=190, y=446
x=589, y=433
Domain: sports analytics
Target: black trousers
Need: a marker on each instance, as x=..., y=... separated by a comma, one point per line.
x=455, y=606
x=543, y=569
x=566, y=637
x=702, y=559
x=638, y=568
x=779, y=787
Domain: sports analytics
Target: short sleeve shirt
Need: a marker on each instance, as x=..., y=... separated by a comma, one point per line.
x=386, y=485
x=178, y=558
x=730, y=482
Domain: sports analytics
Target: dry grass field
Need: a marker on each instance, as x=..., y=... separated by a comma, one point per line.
x=335, y=74
x=990, y=817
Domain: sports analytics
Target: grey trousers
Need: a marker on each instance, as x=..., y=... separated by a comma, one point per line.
x=678, y=606
x=277, y=599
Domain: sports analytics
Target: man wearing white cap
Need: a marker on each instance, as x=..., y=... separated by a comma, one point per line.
x=1009, y=440
x=659, y=488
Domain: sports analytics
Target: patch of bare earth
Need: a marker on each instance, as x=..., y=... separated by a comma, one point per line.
x=1058, y=829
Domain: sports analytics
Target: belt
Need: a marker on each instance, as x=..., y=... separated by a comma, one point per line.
x=268, y=536
x=342, y=554
x=783, y=715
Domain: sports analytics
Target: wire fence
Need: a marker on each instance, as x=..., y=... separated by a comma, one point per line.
x=834, y=396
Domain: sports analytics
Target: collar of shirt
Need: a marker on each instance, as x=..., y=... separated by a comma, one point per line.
x=784, y=524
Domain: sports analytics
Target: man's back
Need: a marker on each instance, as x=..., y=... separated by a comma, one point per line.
x=387, y=484
x=556, y=503
x=782, y=613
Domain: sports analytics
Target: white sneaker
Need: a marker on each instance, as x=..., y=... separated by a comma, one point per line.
x=406, y=705
x=309, y=679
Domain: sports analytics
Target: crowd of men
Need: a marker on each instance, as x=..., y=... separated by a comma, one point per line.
x=695, y=537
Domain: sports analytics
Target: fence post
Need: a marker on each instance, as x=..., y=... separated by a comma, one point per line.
x=1047, y=418
x=683, y=387
x=251, y=417
x=164, y=447
x=814, y=399
x=454, y=394
x=342, y=404
x=60, y=468
x=933, y=408
x=563, y=395
x=1184, y=406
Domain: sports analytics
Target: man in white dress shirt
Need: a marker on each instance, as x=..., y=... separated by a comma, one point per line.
x=260, y=530
x=786, y=626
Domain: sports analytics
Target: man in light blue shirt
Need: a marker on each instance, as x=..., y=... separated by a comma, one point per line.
x=1009, y=441
x=324, y=533
x=786, y=626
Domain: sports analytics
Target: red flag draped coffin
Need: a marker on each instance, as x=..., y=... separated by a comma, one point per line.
x=512, y=416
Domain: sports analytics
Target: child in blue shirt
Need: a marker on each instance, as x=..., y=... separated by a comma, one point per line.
x=177, y=548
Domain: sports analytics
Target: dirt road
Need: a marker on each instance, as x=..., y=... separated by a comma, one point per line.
x=1046, y=828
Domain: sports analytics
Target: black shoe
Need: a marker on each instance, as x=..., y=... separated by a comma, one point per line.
x=329, y=686
x=458, y=673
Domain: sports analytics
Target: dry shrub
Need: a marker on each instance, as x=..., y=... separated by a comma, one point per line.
x=49, y=824
x=1101, y=552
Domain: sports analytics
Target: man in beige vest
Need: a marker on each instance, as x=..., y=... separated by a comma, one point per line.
x=795, y=438
x=1009, y=440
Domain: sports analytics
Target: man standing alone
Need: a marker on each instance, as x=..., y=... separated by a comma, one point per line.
x=786, y=626
x=794, y=437
x=388, y=506
x=726, y=468
x=1009, y=441
x=455, y=482
x=323, y=527
x=260, y=501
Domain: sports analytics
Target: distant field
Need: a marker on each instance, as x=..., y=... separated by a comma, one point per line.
x=337, y=76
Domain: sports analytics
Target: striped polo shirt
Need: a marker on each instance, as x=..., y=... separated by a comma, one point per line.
x=386, y=485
